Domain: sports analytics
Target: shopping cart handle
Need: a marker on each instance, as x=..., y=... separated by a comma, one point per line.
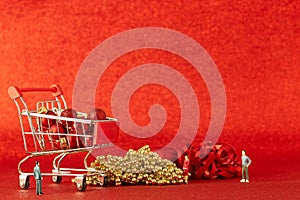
x=15, y=92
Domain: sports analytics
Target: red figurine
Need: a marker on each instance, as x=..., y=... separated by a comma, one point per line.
x=186, y=163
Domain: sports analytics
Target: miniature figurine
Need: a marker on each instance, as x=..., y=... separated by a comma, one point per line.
x=38, y=177
x=186, y=163
x=246, y=162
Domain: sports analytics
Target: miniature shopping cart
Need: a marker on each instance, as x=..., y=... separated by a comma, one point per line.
x=79, y=135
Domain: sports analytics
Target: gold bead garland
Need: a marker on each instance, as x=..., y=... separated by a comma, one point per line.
x=137, y=167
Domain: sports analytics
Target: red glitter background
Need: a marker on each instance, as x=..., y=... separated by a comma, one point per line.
x=255, y=45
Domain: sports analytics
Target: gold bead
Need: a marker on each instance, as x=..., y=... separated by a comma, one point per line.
x=118, y=183
x=153, y=181
x=93, y=164
x=95, y=182
x=42, y=110
x=145, y=175
x=140, y=177
x=133, y=180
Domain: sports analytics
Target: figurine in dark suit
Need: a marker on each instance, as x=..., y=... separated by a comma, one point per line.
x=38, y=178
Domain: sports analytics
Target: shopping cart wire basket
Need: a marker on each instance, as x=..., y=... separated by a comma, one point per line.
x=45, y=132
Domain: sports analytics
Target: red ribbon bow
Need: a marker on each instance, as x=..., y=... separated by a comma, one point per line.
x=219, y=160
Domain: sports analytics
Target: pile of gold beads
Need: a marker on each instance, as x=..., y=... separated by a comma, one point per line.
x=137, y=167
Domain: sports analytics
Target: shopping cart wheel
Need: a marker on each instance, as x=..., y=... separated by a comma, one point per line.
x=56, y=179
x=81, y=183
x=103, y=181
x=24, y=182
